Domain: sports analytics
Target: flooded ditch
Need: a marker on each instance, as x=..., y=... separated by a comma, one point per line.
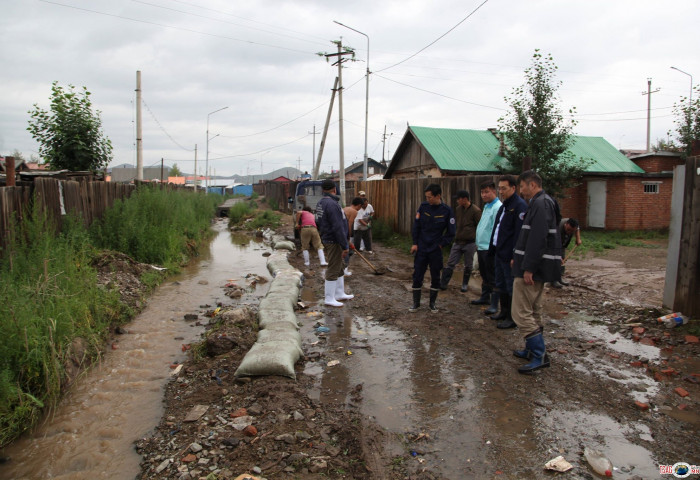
x=91, y=433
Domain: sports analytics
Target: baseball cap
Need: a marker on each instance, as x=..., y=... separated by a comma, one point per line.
x=362, y=192
x=328, y=184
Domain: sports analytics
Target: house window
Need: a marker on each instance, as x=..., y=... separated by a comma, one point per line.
x=651, y=187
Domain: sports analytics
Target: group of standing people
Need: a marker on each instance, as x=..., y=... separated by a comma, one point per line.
x=518, y=243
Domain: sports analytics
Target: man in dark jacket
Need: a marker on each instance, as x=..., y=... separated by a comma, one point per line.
x=467, y=216
x=333, y=227
x=536, y=260
x=433, y=229
x=505, y=232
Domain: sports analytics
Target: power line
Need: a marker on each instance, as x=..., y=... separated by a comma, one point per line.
x=260, y=151
x=177, y=28
x=223, y=21
x=440, y=94
x=437, y=39
x=163, y=129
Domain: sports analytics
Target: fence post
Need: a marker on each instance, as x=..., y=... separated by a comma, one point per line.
x=10, y=171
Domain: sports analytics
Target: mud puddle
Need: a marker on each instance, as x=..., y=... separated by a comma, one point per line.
x=91, y=434
x=407, y=384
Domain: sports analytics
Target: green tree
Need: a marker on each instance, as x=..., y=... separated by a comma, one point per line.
x=175, y=171
x=687, y=120
x=536, y=128
x=70, y=134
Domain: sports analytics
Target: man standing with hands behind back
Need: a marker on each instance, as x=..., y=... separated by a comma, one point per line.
x=433, y=229
x=536, y=260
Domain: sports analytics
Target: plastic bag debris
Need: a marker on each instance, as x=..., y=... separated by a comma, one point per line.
x=558, y=464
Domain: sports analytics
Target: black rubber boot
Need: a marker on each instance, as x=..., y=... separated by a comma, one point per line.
x=484, y=298
x=416, y=300
x=507, y=322
x=433, y=297
x=465, y=280
x=505, y=307
x=446, y=276
x=493, y=308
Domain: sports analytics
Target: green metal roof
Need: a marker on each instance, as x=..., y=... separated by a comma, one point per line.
x=477, y=151
x=461, y=150
x=606, y=158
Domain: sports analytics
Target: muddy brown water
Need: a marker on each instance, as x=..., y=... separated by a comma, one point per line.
x=91, y=433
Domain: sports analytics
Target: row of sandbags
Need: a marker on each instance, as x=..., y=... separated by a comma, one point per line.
x=279, y=343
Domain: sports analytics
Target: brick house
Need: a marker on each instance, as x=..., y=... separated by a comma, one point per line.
x=616, y=192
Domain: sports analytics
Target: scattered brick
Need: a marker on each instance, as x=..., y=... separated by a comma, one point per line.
x=659, y=378
x=681, y=391
x=614, y=355
x=639, y=330
x=683, y=406
x=641, y=405
x=691, y=339
x=241, y=412
x=191, y=457
x=636, y=364
x=250, y=430
x=647, y=341
x=668, y=371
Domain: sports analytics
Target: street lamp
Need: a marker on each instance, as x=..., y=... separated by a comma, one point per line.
x=690, y=98
x=206, y=166
x=364, y=167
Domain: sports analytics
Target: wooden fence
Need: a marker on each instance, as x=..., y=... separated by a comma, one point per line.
x=397, y=200
x=58, y=198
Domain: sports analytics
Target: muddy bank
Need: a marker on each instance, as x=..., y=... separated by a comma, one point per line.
x=388, y=394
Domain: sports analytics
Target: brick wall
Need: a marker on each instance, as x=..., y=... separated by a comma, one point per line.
x=657, y=164
x=627, y=206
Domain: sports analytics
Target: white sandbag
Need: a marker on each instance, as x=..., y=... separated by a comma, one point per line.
x=268, y=335
x=279, y=301
x=272, y=358
x=283, y=326
x=267, y=317
x=284, y=245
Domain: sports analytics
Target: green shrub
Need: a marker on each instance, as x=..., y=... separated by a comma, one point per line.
x=273, y=203
x=254, y=195
x=265, y=218
x=239, y=212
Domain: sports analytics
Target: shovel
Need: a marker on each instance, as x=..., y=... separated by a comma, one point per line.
x=377, y=271
x=569, y=254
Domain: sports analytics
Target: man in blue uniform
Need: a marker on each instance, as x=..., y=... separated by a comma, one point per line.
x=536, y=260
x=505, y=232
x=333, y=227
x=433, y=229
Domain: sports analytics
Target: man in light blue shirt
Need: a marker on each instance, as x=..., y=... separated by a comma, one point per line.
x=483, y=235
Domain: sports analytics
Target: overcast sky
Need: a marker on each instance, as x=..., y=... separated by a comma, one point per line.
x=259, y=59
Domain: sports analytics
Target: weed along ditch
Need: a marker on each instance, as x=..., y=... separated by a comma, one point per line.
x=236, y=369
x=91, y=434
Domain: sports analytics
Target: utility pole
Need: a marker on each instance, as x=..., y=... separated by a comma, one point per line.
x=383, y=143
x=325, y=131
x=161, y=169
x=195, y=168
x=339, y=62
x=139, y=129
x=313, y=156
x=648, y=93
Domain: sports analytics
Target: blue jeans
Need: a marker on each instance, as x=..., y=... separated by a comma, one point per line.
x=504, y=276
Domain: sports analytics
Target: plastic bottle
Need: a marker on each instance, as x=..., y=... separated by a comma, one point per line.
x=673, y=320
x=598, y=462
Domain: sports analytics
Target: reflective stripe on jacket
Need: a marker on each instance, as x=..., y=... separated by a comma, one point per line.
x=538, y=249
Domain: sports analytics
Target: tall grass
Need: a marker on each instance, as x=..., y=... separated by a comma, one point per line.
x=49, y=297
x=156, y=225
x=599, y=241
x=52, y=310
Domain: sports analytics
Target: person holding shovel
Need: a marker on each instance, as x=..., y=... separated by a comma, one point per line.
x=568, y=228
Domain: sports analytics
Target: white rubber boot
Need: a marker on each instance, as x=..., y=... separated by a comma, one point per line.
x=340, y=290
x=322, y=257
x=306, y=257
x=330, y=294
x=347, y=272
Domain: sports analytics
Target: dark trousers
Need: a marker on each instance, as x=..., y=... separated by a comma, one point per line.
x=420, y=265
x=334, y=257
x=487, y=271
x=362, y=235
x=504, y=276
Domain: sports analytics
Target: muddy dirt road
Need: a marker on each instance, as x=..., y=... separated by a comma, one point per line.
x=385, y=393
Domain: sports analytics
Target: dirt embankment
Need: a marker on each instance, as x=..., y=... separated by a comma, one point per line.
x=597, y=332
